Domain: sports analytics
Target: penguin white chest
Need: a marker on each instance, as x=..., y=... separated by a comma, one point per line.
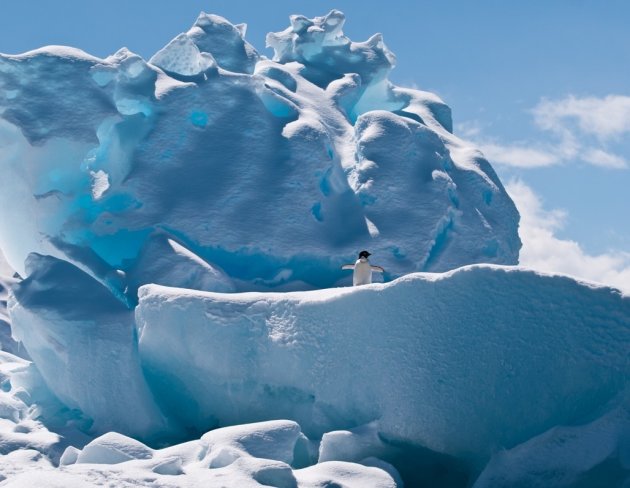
x=362, y=273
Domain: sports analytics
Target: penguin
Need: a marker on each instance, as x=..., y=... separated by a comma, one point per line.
x=362, y=269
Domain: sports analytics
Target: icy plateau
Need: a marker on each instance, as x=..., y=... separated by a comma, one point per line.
x=173, y=310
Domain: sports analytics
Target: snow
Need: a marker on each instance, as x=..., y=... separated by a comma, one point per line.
x=246, y=455
x=178, y=228
x=112, y=448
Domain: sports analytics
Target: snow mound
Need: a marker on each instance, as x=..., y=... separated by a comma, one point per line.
x=116, y=460
x=113, y=448
x=276, y=441
x=271, y=173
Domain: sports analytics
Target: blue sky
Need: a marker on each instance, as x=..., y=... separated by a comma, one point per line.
x=542, y=87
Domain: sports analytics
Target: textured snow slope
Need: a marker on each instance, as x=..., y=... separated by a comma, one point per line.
x=273, y=171
x=593, y=455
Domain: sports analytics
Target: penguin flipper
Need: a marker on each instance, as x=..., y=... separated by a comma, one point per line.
x=348, y=266
x=378, y=269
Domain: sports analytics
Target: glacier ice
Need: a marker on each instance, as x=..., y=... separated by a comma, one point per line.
x=82, y=340
x=139, y=198
x=5, y=330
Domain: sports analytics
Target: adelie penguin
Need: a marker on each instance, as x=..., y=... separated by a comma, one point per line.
x=362, y=269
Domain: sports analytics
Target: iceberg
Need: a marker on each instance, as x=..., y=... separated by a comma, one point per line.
x=272, y=172
x=176, y=228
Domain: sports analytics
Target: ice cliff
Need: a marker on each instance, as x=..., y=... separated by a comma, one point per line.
x=171, y=221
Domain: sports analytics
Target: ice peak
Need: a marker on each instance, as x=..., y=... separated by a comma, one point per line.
x=211, y=42
x=212, y=21
x=330, y=23
x=319, y=44
x=208, y=22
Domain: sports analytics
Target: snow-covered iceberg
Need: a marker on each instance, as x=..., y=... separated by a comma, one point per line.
x=273, y=171
x=139, y=198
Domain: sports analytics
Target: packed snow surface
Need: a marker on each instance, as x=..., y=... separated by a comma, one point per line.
x=138, y=199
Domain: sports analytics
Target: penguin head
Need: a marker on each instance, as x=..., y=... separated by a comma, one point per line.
x=364, y=254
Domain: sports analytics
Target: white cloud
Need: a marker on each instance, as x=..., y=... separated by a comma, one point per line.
x=519, y=156
x=581, y=129
x=599, y=157
x=543, y=251
x=468, y=129
x=606, y=118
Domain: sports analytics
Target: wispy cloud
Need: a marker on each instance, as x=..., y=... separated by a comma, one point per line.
x=605, y=118
x=544, y=251
x=518, y=156
x=599, y=157
x=575, y=129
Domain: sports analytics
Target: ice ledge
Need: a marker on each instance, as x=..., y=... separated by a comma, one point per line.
x=327, y=293
x=461, y=362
